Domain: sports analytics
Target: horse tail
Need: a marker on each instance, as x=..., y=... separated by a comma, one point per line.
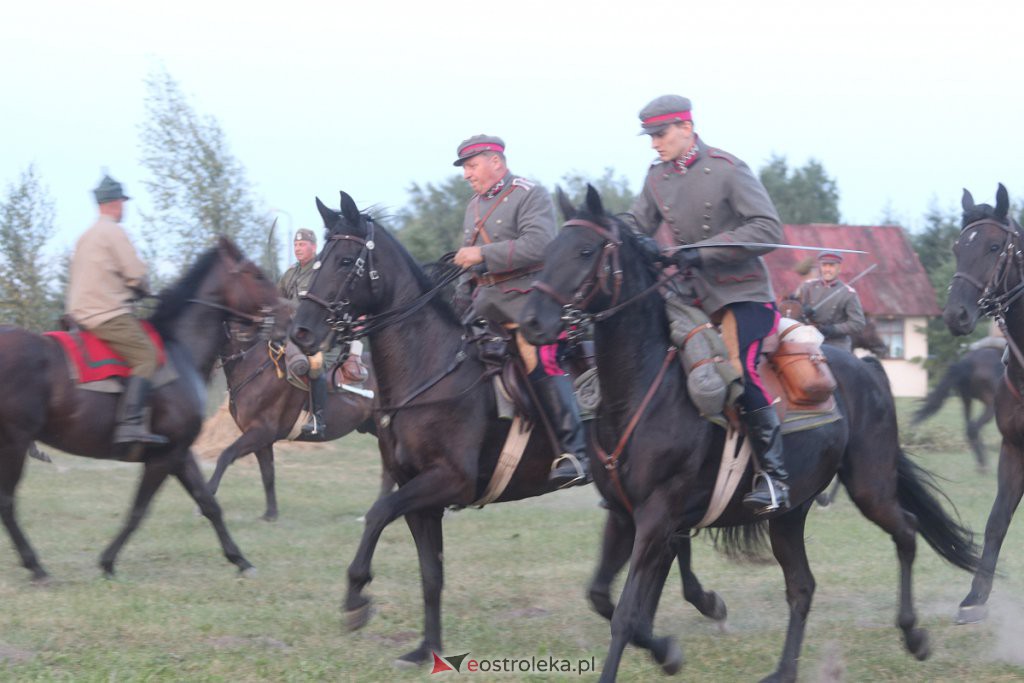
x=744, y=543
x=937, y=396
x=920, y=495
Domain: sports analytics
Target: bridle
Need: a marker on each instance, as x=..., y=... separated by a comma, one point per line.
x=997, y=295
x=339, y=316
x=605, y=277
x=263, y=322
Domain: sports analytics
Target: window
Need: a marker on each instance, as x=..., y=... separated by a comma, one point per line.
x=891, y=332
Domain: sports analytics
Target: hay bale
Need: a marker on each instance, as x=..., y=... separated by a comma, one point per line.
x=219, y=430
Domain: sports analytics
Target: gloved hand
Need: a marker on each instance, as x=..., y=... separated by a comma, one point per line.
x=648, y=247
x=809, y=312
x=828, y=330
x=688, y=258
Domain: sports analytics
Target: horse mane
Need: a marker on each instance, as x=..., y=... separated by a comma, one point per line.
x=175, y=297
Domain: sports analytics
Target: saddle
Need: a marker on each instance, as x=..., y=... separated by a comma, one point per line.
x=90, y=359
x=496, y=348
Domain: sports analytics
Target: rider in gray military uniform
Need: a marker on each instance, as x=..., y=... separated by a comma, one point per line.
x=830, y=304
x=508, y=224
x=697, y=193
x=292, y=285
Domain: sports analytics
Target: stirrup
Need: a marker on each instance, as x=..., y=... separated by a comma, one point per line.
x=580, y=473
x=776, y=503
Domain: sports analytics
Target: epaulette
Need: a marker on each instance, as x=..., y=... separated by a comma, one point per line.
x=716, y=153
x=523, y=183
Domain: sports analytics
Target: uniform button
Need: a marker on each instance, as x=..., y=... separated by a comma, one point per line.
x=505, y=199
x=498, y=221
x=706, y=228
x=664, y=176
x=707, y=216
x=670, y=220
x=666, y=208
x=707, y=205
x=707, y=170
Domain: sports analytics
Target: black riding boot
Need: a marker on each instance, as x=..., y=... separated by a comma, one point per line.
x=765, y=434
x=131, y=416
x=571, y=468
x=316, y=427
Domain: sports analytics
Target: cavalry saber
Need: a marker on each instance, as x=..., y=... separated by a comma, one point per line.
x=702, y=245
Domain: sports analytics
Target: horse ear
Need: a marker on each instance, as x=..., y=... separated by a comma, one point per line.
x=594, y=204
x=349, y=209
x=330, y=216
x=564, y=205
x=1002, y=202
x=967, y=201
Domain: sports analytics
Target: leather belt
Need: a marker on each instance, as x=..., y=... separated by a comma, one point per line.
x=488, y=280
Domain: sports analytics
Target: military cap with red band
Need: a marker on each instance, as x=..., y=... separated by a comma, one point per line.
x=662, y=112
x=830, y=257
x=478, y=144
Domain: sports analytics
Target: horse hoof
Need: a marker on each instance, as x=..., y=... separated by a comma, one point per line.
x=248, y=573
x=413, y=660
x=269, y=517
x=972, y=614
x=673, y=658
x=718, y=611
x=723, y=627
x=357, y=618
x=42, y=580
x=919, y=644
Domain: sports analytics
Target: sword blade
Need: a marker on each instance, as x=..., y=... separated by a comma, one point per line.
x=703, y=245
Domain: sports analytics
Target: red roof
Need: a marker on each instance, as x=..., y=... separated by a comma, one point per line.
x=898, y=286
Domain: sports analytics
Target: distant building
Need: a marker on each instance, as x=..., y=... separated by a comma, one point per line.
x=897, y=294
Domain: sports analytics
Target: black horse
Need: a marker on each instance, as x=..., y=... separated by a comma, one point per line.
x=265, y=408
x=661, y=483
x=438, y=427
x=41, y=402
x=976, y=376
x=989, y=280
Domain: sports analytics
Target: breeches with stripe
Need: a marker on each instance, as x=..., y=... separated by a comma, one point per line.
x=744, y=327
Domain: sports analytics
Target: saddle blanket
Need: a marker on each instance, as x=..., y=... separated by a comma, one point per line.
x=91, y=360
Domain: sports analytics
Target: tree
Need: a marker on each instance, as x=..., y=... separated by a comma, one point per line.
x=431, y=224
x=807, y=195
x=198, y=188
x=27, y=298
x=615, y=193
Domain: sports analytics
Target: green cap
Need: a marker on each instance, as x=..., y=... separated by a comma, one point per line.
x=305, y=234
x=109, y=190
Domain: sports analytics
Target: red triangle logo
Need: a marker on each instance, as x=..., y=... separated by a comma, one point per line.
x=440, y=665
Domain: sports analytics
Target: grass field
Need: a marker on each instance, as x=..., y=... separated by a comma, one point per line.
x=515, y=577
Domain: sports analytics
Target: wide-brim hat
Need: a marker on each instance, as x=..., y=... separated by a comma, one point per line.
x=662, y=112
x=478, y=144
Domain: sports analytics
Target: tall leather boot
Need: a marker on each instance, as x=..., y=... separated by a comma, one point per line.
x=770, y=489
x=571, y=468
x=316, y=427
x=131, y=416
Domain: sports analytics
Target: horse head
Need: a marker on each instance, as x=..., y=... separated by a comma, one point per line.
x=791, y=307
x=586, y=268
x=989, y=266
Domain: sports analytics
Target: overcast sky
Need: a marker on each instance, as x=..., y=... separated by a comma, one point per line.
x=903, y=102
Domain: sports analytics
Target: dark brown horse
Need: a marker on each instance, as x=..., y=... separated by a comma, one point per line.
x=438, y=426
x=265, y=408
x=661, y=482
x=976, y=376
x=40, y=401
x=989, y=280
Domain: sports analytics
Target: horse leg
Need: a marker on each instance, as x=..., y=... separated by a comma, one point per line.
x=426, y=531
x=265, y=457
x=787, y=537
x=13, y=457
x=1008, y=494
x=974, y=437
x=633, y=619
x=187, y=472
x=153, y=474
x=616, y=545
x=707, y=603
x=429, y=489
x=879, y=503
x=251, y=440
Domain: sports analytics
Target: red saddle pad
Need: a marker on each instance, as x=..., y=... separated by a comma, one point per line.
x=95, y=360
